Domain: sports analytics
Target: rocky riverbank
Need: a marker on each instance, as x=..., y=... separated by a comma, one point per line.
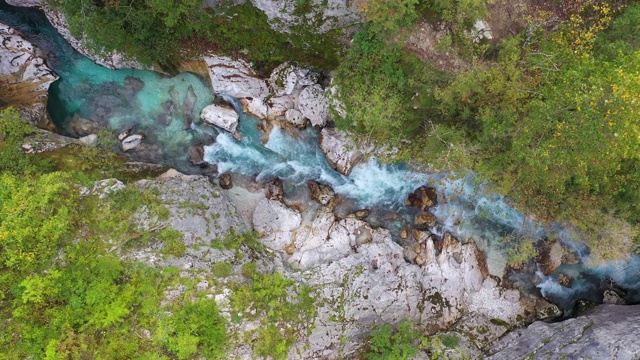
x=359, y=276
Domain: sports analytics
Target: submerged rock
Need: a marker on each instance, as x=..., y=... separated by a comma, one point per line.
x=606, y=332
x=221, y=116
x=80, y=126
x=24, y=77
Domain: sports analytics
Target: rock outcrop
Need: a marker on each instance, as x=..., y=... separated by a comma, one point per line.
x=314, y=105
x=606, y=332
x=331, y=14
x=24, y=77
x=364, y=280
x=24, y=3
x=235, y=78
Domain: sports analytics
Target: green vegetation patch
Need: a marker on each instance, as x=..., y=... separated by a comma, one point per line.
x=166, y=32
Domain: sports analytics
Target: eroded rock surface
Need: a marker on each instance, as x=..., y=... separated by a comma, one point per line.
x=235, y=78
x=221, y=116
x=24, y=77
x=606, y=332
x=325, y=15
x=342, y=154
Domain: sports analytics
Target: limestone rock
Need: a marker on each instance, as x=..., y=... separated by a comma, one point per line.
x=220, y=116
x=341, y=153
x=24, y=3
x=278, y=106
x=289, y=79
x=314, y=105
x=44, y=141
x=102, y=188
x=89, y=140
x=254, y=107
x=317, y=16
x=295, y=118
x=200, y=211
x=235, y=78
x=276, y=222
x=131, y=142
x=606, y=332
x=24, y=77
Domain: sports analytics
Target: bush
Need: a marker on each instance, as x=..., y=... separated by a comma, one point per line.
x=387, y=344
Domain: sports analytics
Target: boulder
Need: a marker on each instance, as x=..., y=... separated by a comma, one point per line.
x=295, y=118
x=254, y=107
x=425, y=218
x=340, y=151
x=79, y=126
x=314, y=105
x=275, y=190
x=422, y=198
x=320, y=193
x=549, y=255
x=24, y=77
x=278, y=106
x=564, y=280
x=131, y=142
x=89, y=140
x=606, y=332
x=225, y=181
x=361, y=214
x=235, y=78
x=221, y=116
x=196, y=155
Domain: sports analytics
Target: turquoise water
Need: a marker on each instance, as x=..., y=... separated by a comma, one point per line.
x=159, y=107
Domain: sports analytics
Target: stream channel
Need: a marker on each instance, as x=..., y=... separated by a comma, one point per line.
x=161, y=107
